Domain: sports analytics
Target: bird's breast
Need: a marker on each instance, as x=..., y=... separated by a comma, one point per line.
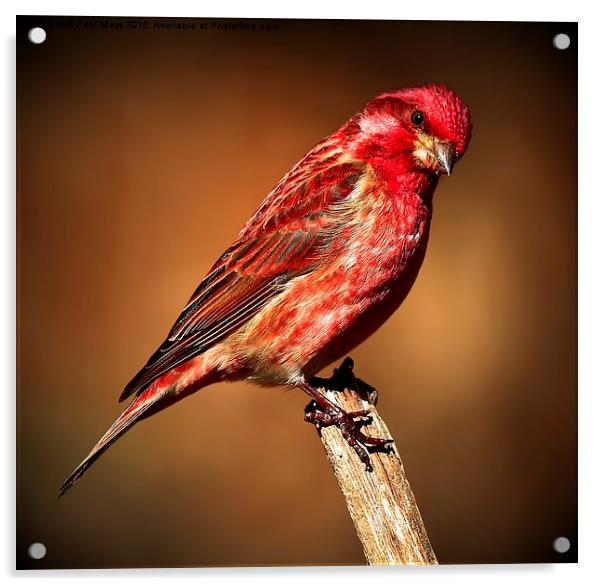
x=386, y=235
x=327, y=312
x=375, y=275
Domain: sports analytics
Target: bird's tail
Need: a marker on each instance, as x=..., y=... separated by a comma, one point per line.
x=143, y=405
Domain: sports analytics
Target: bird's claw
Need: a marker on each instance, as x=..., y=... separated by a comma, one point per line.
x=350, y=425
x=343, y=378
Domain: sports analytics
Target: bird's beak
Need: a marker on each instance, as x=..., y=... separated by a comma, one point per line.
x=445, y=154
x=435, y=155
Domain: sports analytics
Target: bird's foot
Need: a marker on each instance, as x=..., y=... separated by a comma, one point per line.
x=343, y=379
x=350, y=428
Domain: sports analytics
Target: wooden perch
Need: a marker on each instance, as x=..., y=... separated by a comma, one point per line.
x=381, y=502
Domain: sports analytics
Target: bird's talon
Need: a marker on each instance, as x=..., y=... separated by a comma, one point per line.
x=343, y=379
x=362, y=413
x=349, y=424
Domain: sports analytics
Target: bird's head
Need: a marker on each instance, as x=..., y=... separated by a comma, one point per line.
x=424, y=129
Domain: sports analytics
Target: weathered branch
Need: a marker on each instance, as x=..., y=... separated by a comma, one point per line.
x=381, y=502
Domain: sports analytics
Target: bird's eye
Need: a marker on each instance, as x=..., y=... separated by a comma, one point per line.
x=417, y=117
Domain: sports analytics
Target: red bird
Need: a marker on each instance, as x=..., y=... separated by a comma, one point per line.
x=329, y=255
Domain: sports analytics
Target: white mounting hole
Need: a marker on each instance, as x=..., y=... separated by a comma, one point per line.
x=37, y=551
x=561, y=41
x=36, y=35
x=561, y=544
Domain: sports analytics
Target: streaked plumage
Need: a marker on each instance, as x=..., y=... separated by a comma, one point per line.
x=331, y=252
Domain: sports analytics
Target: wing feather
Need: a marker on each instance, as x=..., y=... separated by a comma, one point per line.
x=287, y=237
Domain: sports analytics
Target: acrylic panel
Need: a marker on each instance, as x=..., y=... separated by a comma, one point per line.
x=145, y=144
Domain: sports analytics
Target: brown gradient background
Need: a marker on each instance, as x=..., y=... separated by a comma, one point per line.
x=142, y=153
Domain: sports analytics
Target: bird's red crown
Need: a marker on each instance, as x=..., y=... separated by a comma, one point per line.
x=418, y=129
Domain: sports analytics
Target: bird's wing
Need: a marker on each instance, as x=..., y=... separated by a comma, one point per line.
x=290, y=234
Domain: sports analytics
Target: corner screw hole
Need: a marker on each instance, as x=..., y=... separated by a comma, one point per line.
x=561, y=544
x=561, y=41
x=37, y=551
x=36, y=35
